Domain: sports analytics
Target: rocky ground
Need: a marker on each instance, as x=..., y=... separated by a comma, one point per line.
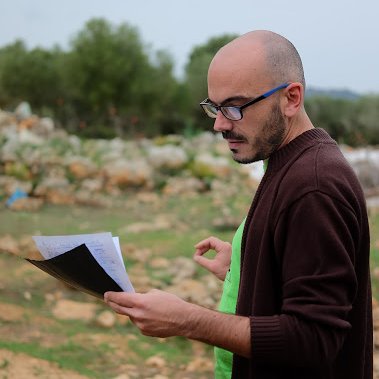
x=37, y=309
x=61, y=309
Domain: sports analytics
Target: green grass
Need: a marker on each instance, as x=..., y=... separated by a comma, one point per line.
x=175, y=349
x=196, y=215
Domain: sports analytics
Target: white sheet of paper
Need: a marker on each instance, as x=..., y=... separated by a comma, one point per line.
x=116, y=242
x=101, y=246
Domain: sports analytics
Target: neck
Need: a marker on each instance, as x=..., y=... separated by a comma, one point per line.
x=296, y=126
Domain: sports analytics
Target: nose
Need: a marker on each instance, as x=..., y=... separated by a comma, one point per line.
x=221, y=123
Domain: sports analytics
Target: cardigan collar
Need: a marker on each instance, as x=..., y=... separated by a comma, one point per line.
x=300, y=143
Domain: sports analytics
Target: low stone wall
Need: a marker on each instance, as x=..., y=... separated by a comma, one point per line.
x=39, y=163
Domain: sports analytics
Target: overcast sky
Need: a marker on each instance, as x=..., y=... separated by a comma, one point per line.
x=337, y=39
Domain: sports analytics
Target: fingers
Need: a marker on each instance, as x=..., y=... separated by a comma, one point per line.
x=210, y=243
x=120, y=309
x=122, y=303
x=123, y=299
x=202, y=261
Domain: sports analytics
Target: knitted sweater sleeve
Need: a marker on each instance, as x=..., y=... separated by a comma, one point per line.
x=315, y=242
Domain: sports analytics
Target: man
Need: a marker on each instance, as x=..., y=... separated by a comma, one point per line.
x=298, y=285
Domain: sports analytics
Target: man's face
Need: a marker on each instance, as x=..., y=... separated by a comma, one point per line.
x=255, y=138
x=258, y=134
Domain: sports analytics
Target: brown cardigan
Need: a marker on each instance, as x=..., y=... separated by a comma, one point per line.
x=305, y=279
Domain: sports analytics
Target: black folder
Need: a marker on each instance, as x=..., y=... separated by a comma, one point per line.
x=79, y=269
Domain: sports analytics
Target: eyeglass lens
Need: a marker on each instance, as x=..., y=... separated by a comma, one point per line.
x=231, y=113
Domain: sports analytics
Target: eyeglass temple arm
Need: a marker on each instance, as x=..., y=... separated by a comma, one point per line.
x=269, y=93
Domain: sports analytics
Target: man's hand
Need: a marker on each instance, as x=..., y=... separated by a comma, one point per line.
x=155, y=313
x=220, y=264
x=161, y=314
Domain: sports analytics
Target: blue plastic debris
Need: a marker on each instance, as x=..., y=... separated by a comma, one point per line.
x=16, y=195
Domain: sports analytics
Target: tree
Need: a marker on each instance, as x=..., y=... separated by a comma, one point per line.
x=30, y=75
x=108, y=73
x=335, y=116
x=367, y=119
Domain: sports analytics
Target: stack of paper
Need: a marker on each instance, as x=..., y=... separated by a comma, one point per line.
x=92, y=263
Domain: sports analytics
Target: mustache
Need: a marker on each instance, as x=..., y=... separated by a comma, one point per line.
x=233, y=136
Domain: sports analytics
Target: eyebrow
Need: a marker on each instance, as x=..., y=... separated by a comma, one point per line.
x=230, y=99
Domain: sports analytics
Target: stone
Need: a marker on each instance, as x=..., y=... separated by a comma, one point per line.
x=227, y=222
x=21, y=365
x=23, y=110
x=159, y=263
x=27, y=296
x=7, y=119
x=45, y=127
x=28, y=137
x=140, y=255
x=11, y=312
x=84, y=197
x=28, y=123
x=168, y=157
x=122, y=319
x=106, y=319
x=123, y=174
x=200, y=364
x=81, y=167
x=8, y=151
x=72, y=310
x=376, y=364
x=28, y=248
x=190, y=290
x=148, y=197
x=56, y=190
x=9, y=245
x=375, y=315
x=92, y=185
x=207, y=165
x=182, y=268
x=18, y=169
x=156, y=361
x=183, y=186
x=160, y=223
x=28, y=204
x=368, y=173
x=204, y=140
x=10, y=184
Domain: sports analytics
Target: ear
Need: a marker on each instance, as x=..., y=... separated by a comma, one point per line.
x=294, y=97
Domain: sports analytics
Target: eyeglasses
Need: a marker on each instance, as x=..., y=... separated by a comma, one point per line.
x=234, y=113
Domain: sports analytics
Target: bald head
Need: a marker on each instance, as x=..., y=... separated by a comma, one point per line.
x=261, y=55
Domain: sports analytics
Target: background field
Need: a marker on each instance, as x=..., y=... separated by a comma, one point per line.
x=30, y=326
x=28, y=296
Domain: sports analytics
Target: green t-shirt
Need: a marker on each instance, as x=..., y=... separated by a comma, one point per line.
x=228, y=302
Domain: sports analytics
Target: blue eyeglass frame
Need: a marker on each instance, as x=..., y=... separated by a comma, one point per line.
x=205, y=103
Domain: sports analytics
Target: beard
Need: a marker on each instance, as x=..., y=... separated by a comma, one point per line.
x=272, y=136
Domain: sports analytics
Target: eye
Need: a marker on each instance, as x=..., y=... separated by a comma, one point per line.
x=232, y=112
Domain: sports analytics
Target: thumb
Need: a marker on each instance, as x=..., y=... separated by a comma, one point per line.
x=204, y=262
